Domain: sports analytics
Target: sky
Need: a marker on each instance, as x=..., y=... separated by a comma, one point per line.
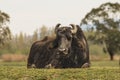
x=28, y=15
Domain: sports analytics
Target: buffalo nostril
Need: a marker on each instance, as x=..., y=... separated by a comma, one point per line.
x=60, y=49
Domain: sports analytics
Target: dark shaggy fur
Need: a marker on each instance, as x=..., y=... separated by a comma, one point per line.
x=50, y=52
x=45, y=54
x=80, y=48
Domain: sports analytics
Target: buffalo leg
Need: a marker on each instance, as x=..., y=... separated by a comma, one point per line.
x=85, y=65
x=30, y=63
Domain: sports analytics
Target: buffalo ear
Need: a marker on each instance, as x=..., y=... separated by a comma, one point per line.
x=77, y=26
x=56, y=27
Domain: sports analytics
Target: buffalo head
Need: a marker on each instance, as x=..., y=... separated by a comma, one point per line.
x=64, y=38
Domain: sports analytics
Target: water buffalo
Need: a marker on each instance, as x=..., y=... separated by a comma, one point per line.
x=69, y=49
x=50, y=52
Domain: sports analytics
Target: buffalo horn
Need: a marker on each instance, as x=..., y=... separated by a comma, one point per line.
x=56, y=27
x=74, y=28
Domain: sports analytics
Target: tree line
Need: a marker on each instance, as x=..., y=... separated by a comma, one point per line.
x=103, y=28
x=21, y=43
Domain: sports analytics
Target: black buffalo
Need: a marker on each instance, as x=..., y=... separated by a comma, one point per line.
x=69, y=49
x=51, y=51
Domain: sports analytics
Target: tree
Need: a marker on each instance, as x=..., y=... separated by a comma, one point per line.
x=21, y=40
x=35, y=36
x=105, y=23
x=43, y=32
x=5, y=33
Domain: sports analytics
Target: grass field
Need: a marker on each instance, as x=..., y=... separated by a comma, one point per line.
x=100, y=70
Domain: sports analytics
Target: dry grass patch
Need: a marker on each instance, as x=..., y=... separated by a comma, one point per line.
x=13, y=57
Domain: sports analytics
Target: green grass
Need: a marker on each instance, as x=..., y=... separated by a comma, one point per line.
x=100, y=70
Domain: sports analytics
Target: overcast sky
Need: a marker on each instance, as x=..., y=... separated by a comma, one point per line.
x=28, y=15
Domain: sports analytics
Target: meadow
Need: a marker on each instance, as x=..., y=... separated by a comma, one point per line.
x=99, y=70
